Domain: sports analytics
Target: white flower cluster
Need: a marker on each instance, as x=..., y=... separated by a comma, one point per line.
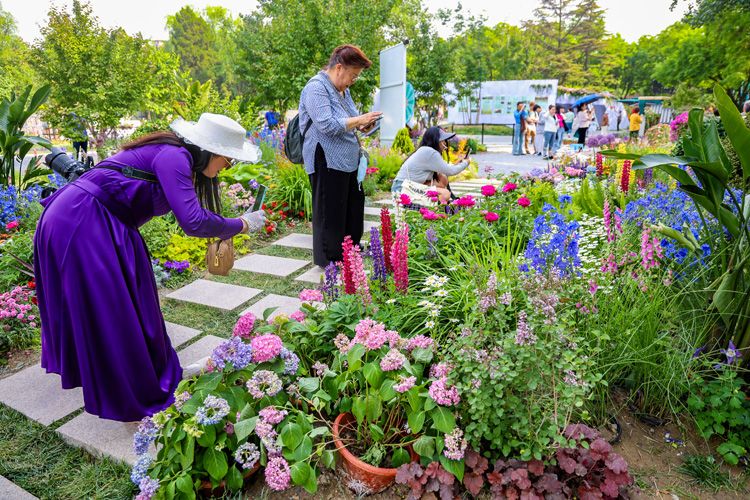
x=592, y=240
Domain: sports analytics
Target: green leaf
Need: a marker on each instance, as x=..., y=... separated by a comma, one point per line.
x=208, y=438
x=386, y=390
x=234, y=479
x=300, y=472
x=373, y=407
x=291, y=435
x=188, y=454
x=329, y=459
x=208, y=382
x=416, y=421
x=737, y=131
x=423, y=356
x=184, y=484
x=455, y=467
x=400, y=457
x=425, y=446
x=244, y=428
x=443, y=420
x=301, y=452
x=354, y=357
x=215, y=463
x=415, y=400
x=268, y=312
x=377, y=432
x=308, y=385
x=358, y=408
x=373, y=374
x=319, y=431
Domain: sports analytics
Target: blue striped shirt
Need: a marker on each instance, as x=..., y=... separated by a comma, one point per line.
x=322, y=103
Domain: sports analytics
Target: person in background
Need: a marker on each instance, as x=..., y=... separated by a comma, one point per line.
x=585, y=116
x=550, y=132
x=746, y=108
x=82, y=142
x=635, y=123
x=569, y=117
x=518, y=131
x=539, y=141
x=605, y=122
x=562, y=127
x=331, y=152
x=532, y=118
x=426, y=164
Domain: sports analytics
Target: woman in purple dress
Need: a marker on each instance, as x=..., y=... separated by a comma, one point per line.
x=102, y=328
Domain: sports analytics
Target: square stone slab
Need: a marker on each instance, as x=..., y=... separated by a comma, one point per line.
x=311, y=275
x=215, y=294
x=268, y=264
x=179, y=334
x=39, y=395
x=284, y=305
x=386, y=201
x=199, y=349
x=372, y=211
x=11, y=491
x=101, y=437
x=296, y=240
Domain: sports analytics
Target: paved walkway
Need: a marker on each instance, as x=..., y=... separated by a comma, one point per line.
x=499, y=159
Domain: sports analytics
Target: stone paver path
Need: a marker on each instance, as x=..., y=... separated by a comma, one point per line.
x=296, y=240
x=39, y=395
x=268, y=264
x=284, y=305
x=311, y=275
x=215, y=294
x=370, y=224
x=386, y=201
x=200, y=349
x=372, y=211
x=101, y=437
x=11, y=491
x=179, y=334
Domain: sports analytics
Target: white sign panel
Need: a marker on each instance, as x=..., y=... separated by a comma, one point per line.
x=392, y=92
x=495, y=102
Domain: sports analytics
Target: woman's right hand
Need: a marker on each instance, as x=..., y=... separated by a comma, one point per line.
x=254, y=220
x=368, y=119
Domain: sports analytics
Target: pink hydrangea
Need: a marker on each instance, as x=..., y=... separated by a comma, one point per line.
x=265, y=347
x=373, y=335
x=404, y=199
x=524, y=201
x=440, y=370
x=392, y=361
x=465, y=201
x=311, y=295
x=244, y=326
x=271, y=415
x=489, y=190
x=298, y=316
x=510, y=186
x=420, y=341
x=442, y=394
x=278, y=474
x=491, y=217
x=404, y=384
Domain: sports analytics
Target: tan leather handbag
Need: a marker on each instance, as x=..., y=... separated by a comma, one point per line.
x=220, y=256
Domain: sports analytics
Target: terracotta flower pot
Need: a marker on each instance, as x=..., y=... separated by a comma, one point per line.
x=371, y=479
x=208, y=490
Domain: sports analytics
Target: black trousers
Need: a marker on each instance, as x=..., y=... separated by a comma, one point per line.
x=338, y=210
x=582, y=135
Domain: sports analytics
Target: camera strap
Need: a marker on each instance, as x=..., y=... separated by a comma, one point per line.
x=128, y=171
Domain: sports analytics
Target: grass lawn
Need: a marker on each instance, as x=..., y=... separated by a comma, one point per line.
x=477, y=129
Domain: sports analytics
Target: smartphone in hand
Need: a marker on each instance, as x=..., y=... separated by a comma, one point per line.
x=260, y=196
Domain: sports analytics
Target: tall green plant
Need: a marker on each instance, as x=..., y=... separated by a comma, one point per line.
x=709, y=188
x=14, y=143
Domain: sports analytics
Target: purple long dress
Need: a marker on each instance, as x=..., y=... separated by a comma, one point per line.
x=102, y=328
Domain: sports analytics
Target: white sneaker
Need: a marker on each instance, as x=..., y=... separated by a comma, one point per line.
x=194, y=369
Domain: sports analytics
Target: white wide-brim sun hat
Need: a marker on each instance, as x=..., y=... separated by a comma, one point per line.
x=218, y=134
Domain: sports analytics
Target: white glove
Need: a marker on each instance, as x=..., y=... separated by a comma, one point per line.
x=255, y=220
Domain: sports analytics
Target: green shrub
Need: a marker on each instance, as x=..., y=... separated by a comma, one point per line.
x=290, y=189
x=19, y=247
x=402, y=143
x=388, y=164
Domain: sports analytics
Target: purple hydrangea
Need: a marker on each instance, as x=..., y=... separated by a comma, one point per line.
x=144, y=436
x=214, y=409
x=278, y=474
x=140, y=469
x=247, y=455
x=263, y=383
x=233, y=351
x=291, y=361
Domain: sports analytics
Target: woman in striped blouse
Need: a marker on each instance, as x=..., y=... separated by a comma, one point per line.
x=331, y=152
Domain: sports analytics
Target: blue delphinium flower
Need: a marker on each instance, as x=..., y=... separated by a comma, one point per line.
x=732, y=353
x=564, y=199
x=553, y=243
x=431, y=238
x=378, y=258
x=330, y=286
x=213, y=410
